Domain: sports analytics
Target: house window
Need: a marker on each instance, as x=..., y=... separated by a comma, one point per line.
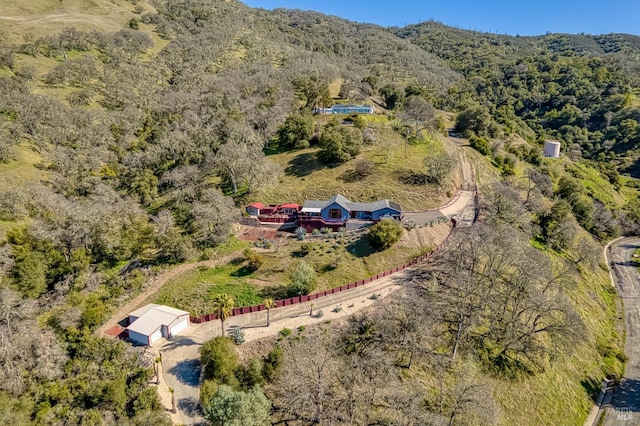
x=335, y=214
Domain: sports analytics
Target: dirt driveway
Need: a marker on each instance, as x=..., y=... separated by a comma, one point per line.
x=180, y=357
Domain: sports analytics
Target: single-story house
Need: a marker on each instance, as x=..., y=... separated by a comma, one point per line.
x=152, y=322
x=339, y=210
x=346, y=109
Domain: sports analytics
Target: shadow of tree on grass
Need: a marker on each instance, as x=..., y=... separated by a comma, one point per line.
x=303, y=165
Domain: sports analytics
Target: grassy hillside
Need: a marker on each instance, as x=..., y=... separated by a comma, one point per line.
x=564, y=393
x=43, y=17
x=516, y=78
x=18, y=175
x=306, y=178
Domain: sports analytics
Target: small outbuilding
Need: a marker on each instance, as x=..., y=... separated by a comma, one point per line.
x=153, y=322
x=552, y=149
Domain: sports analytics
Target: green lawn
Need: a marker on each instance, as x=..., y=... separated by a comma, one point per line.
x=194, y=290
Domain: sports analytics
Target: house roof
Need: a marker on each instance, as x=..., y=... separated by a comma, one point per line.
x=350, y=106
x=311, y=210
x=290, y=206
x=376, y=205
x=316, y=206
x=340, y=200
x=152, y=316
x=256, y=205
x=313, y=204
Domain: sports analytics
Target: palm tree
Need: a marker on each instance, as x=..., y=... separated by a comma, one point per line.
x=269, y=303
x=223, y=306
x=174, y=408
x=157, y=361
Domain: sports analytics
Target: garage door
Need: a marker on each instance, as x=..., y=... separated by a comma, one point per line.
x=178, y=327
x=155, y=336
x=138, y=338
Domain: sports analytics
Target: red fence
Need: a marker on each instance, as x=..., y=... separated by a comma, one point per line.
x=307, y=298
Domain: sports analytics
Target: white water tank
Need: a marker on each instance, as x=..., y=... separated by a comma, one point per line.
x=552, y=149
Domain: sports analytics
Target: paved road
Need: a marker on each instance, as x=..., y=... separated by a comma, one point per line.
x=624, y=406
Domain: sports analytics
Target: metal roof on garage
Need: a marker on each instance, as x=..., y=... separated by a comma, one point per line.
x=151, y=317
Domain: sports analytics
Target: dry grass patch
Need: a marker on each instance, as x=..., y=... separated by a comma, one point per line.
x=23, y=170
x=45, y=17
x=305, y=178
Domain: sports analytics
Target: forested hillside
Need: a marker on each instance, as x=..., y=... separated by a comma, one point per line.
x=130, y=142
x=580, y=89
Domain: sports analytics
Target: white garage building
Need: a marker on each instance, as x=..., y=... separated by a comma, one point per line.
x=152, y=322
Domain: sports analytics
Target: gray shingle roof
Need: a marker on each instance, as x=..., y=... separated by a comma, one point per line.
x=375, y=206
x=340, y=200
x=350, y=206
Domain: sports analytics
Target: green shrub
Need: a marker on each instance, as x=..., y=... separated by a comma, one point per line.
x=230, y=407
x=480, y=144
x=305, y=249
x=238, y=336
x=339, y=144
x=301, y=233
x=254, y=260
x=272, y=363
x=285, y=332
x=302, y=279
x=385, y=233
x=296, y=131
x=219, y=359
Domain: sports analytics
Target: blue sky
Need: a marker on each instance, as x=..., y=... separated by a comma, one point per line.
x=524, y=17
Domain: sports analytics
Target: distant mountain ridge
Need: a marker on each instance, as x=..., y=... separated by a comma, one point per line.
x=439, y=38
